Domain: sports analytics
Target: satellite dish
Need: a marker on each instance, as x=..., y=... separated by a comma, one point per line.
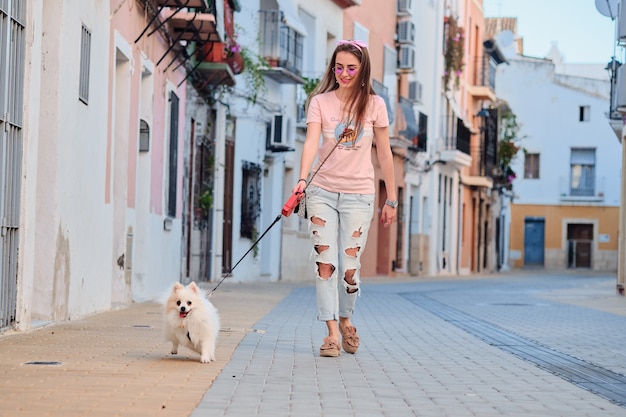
x=506, y=42
x=505, y=38
x=607, y=8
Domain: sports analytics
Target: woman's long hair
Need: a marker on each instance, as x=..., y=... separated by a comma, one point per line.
x=359, y=98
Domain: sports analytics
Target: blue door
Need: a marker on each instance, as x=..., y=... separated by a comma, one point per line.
x=534, y=241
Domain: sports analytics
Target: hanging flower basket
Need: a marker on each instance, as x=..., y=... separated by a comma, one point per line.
x=232, y=51
x=235, y=62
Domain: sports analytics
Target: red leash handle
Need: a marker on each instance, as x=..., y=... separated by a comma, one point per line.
x=291, y=204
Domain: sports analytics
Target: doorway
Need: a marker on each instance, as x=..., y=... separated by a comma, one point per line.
x=579, y=245
x=534, y=241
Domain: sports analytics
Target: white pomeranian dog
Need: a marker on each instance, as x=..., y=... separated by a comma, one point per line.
x=192, y=321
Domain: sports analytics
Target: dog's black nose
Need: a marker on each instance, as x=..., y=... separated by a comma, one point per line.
x=182, y=309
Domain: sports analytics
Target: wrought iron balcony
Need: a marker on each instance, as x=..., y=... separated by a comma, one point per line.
x=588, y=188
x=281, y=46
x=454, y=147
x=190, y=29
x=484, y=84
x=484, y=151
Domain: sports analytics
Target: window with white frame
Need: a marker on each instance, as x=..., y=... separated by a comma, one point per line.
x=583, y=172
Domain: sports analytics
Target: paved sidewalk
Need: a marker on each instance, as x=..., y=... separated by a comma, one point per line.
x=420, y=355
x=426, y=352
x=118, y=364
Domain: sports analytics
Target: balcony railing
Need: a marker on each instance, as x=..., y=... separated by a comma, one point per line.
x=458, y=136
x=484, y=152
x=189, y=29
x=591, y=190
x=282, y=47
x=487, y=74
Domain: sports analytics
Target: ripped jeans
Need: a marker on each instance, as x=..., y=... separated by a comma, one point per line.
x=339, y=224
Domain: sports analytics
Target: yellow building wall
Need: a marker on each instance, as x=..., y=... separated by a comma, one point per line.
x=604, y=219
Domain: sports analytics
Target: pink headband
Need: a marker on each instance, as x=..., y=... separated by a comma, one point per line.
x=357, y=44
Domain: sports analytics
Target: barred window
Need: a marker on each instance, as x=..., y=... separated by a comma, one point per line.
x=85, y=55
x=250, y=199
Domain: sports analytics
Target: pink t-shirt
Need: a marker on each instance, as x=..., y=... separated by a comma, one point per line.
x=349, y=168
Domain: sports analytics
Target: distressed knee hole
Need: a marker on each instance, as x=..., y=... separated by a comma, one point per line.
x=351, y=286
x=316, y=220
x=353, y=251
x=357, y=233
x=325, y=271
x=321, y=248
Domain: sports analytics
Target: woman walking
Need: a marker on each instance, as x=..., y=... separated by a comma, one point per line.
x=349, y=116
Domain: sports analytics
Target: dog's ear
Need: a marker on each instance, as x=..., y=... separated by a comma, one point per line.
x=177, y=287
x=193, y=287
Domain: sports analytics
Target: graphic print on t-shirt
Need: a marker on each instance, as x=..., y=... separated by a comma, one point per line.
x=345, y=133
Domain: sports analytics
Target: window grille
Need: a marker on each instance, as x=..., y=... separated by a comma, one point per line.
x=85, y=55
x=250, y=199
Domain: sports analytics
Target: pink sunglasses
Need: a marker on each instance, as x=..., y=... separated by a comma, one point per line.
x=339, y=70
x=357, y=44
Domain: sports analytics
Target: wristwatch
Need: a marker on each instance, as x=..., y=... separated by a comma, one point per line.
x=393, y=203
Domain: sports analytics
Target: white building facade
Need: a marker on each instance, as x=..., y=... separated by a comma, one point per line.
x=565, y=212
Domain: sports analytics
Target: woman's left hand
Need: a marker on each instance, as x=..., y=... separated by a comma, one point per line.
x=388, y=215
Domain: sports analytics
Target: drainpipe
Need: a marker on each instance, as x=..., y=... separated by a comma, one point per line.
x=459, y=245
x=621, y=244
x=217, y=231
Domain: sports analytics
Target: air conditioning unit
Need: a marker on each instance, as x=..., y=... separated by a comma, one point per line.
x=415, y=91
x=406, y=32
x=277, y=131
x=406, y=57
x=404, y=7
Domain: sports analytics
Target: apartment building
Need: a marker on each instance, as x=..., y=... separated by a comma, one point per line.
x=93, y=98
x=565, y=211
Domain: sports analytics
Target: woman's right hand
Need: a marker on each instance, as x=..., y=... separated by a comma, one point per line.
x=299, y=188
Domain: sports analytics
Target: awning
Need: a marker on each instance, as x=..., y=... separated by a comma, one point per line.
x=290, y=16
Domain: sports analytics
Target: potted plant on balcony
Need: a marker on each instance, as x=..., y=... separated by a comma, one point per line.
x=454, y=53
x=508, y=148
x=233, y=56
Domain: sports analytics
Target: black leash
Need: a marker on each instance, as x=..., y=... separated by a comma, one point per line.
x=276, y=220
